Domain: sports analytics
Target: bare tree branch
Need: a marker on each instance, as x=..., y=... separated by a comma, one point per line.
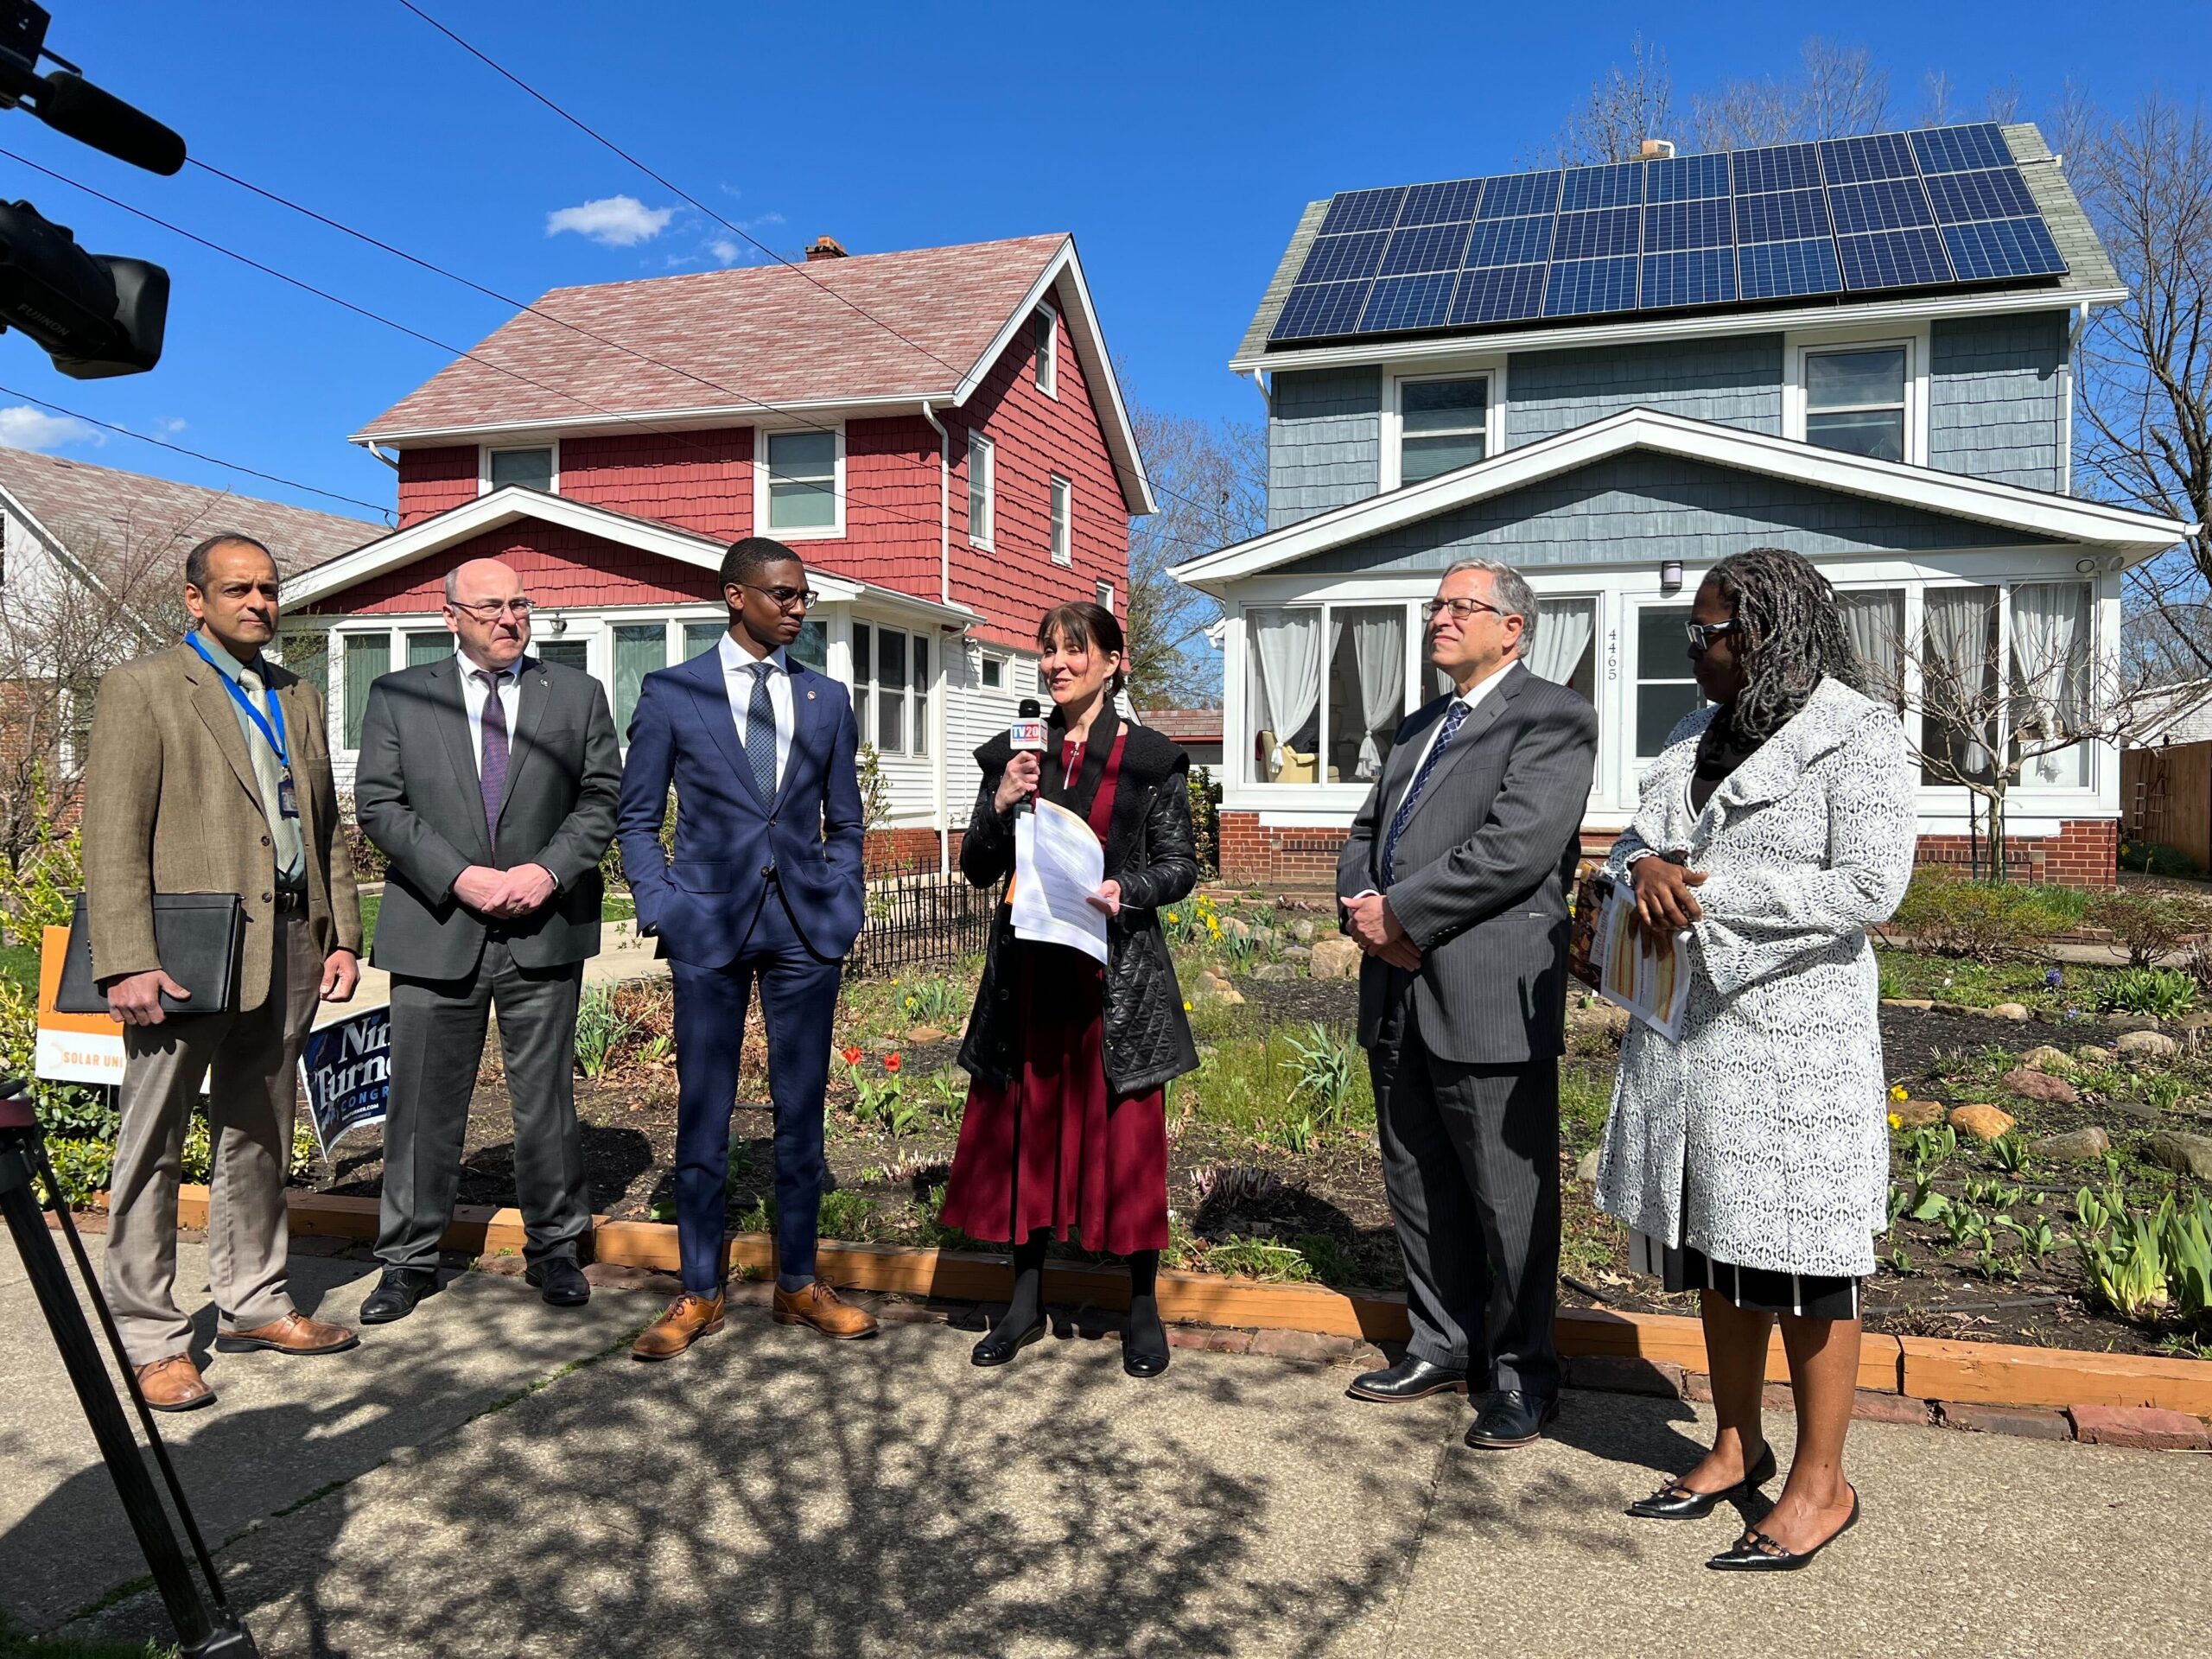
x=1625, y=107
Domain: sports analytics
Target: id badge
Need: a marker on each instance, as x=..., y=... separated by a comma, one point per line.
x=288, y=798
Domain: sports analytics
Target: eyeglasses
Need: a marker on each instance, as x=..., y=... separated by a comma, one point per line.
x=787, y=598
x=1704, y=633
x=1461, y=609
x=489, y=610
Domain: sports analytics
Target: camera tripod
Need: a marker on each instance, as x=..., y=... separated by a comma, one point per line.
x=204, y=1632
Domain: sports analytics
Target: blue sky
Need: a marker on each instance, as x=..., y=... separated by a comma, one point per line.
x=1177, y=143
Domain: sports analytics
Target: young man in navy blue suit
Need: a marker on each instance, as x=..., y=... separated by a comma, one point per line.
x=765, y=886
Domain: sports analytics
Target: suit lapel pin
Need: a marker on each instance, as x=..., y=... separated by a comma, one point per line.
x=809, y=696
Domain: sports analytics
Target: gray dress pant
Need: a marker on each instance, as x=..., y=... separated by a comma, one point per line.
x=1471, y=1162
x=438, y=1028
x=252, y=1099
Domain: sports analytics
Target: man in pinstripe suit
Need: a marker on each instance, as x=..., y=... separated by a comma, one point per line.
x=1454, y=883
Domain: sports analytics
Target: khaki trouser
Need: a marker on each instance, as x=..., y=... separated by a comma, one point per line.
x=251, y=1101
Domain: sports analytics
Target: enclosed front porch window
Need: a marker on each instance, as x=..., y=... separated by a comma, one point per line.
x=1356, y=654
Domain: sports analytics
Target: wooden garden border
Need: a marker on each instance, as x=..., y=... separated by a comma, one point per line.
x=1920, y=1368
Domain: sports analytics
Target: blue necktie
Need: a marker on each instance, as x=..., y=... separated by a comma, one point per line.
x=760, y=733
x=1454, y=718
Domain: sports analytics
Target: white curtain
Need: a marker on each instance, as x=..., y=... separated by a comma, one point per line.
x=1563, y=630
x=1875, y=622
x=1378, y=645
x=1956, y=621
x=2050, y=670
x=1286, y=654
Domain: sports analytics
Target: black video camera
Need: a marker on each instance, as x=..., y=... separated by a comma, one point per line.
x=97, y=314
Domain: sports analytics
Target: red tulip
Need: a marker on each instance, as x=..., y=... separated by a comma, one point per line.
x=852, y=1056
x=891, y=1062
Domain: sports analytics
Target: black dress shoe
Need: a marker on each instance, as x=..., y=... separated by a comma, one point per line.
x=398, y=1290
x=1756, y=1553
x=998, y=1348
x=1409, y=1379
x=1675, y=1502
x=1511, y=1417
x=561, y=1280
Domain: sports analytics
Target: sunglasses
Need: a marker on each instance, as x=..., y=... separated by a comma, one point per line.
x=1704, y=633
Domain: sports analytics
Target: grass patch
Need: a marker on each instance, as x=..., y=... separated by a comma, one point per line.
x=1984, y=984
x=1247, y=1085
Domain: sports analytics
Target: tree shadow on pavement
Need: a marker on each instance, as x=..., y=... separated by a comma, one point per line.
x=773, y=1494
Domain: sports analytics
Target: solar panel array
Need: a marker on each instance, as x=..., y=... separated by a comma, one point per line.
x=1941, y=205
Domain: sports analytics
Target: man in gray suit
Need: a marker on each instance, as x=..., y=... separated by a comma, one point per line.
x=1454, y=883
x=489, y=779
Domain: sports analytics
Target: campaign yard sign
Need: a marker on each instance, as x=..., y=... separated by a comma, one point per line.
x=347, y=1071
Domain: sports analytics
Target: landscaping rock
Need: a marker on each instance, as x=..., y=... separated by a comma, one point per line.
x=1263, y=936
x=1957, y=1008
x=921, y=1034
x=1920, y=1003
x=2040, y=1085
x=1303, y=929
x=1236, y=928
x=1983, y=1123
x=2187, y=1154
x=1297, y=953
x=2149, y=1044
x=1276, y=970
x=2198, y=1022
x=2090, y=1054
x=2009, y=1011
x=2044, y=1058
x=1916, y=1113
x=2078, y=1147
x=1336, y=959
x=2130, y=1021
x=1212, y=987
x=1586, y=1168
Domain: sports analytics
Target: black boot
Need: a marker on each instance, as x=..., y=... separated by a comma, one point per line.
x=1144, y=1339
x=1023, y=1322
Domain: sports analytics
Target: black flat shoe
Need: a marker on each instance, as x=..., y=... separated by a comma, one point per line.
x=1409, y=1379
x=1141, y=1363
x=559, y=1281
x=1756, y=1553
x=997, y=1350
x=1509, y=1417
x=398, y=1290
x=1675, y=1502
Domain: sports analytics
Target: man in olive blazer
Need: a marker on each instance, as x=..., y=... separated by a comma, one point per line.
x=210, y=772
x=489, y=779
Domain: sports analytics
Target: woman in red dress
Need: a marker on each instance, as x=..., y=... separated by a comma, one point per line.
x=1065, y=1132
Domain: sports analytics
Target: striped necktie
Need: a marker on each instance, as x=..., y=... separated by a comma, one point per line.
x=1454, y=718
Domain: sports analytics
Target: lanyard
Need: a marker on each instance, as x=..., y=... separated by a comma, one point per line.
x=275, y=736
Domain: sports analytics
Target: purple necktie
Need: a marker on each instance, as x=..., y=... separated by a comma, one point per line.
x=493, y=768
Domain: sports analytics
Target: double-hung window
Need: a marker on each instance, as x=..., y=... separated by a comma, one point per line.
x=891, y=688
x=1855, y=401
x=1063, y=541
x=980, y=483
x=1442, y=424
x=1046, y=329
x=802, y=482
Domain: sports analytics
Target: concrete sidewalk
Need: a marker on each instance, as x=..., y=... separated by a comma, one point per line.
x=622, y=954
x=489, y=1479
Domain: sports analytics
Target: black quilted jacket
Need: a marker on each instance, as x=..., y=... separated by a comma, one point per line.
x=1149, y=851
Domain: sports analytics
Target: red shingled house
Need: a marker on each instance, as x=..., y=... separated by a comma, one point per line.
x=937, y=432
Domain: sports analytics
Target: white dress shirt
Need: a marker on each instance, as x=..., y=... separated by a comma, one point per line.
x=738, y=665
x=1471, y=696
x=473, y=693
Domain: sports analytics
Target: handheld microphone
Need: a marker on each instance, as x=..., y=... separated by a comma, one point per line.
x=74, y=106
x=1027, y=733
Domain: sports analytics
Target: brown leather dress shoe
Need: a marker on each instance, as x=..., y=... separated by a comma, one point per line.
x=689, y=1318
x=174, y=1385
x=295, y=1333
x=823, y=1308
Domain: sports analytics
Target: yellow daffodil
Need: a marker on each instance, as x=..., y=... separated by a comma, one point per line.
x=1172, y=917
x=1896, y=1122
x=1897, y=1091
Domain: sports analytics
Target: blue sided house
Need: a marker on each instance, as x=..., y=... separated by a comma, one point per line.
x=1612, y=377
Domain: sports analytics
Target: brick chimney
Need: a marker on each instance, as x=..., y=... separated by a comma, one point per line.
x=825, y=247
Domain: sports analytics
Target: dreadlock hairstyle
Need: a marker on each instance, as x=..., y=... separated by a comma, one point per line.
x=1791, y=636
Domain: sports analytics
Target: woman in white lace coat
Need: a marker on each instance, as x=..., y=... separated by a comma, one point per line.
x=1753, y=1156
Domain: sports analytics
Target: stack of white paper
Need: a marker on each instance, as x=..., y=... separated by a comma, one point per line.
x=1058, y=865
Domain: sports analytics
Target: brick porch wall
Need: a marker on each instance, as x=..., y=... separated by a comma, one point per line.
x=892, y=852
x=2083, y=855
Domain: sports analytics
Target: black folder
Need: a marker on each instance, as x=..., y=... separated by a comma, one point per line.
x=198, y=937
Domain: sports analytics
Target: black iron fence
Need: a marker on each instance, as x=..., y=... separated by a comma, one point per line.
x=920, y=921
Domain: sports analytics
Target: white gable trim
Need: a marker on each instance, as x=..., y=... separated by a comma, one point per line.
x=506, y=506
x=1082, y=318
x=13, y=506
x=2132, y=536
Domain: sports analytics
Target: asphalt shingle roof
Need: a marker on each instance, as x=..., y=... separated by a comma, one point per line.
x=766, y=333
x=98, y=513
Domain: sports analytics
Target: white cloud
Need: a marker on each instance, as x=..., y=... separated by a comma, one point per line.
x=170, y=429
x=26, y=428
x=612, y=221
x=725, y=250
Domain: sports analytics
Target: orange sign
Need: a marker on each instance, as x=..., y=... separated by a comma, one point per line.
x=72, y=1047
